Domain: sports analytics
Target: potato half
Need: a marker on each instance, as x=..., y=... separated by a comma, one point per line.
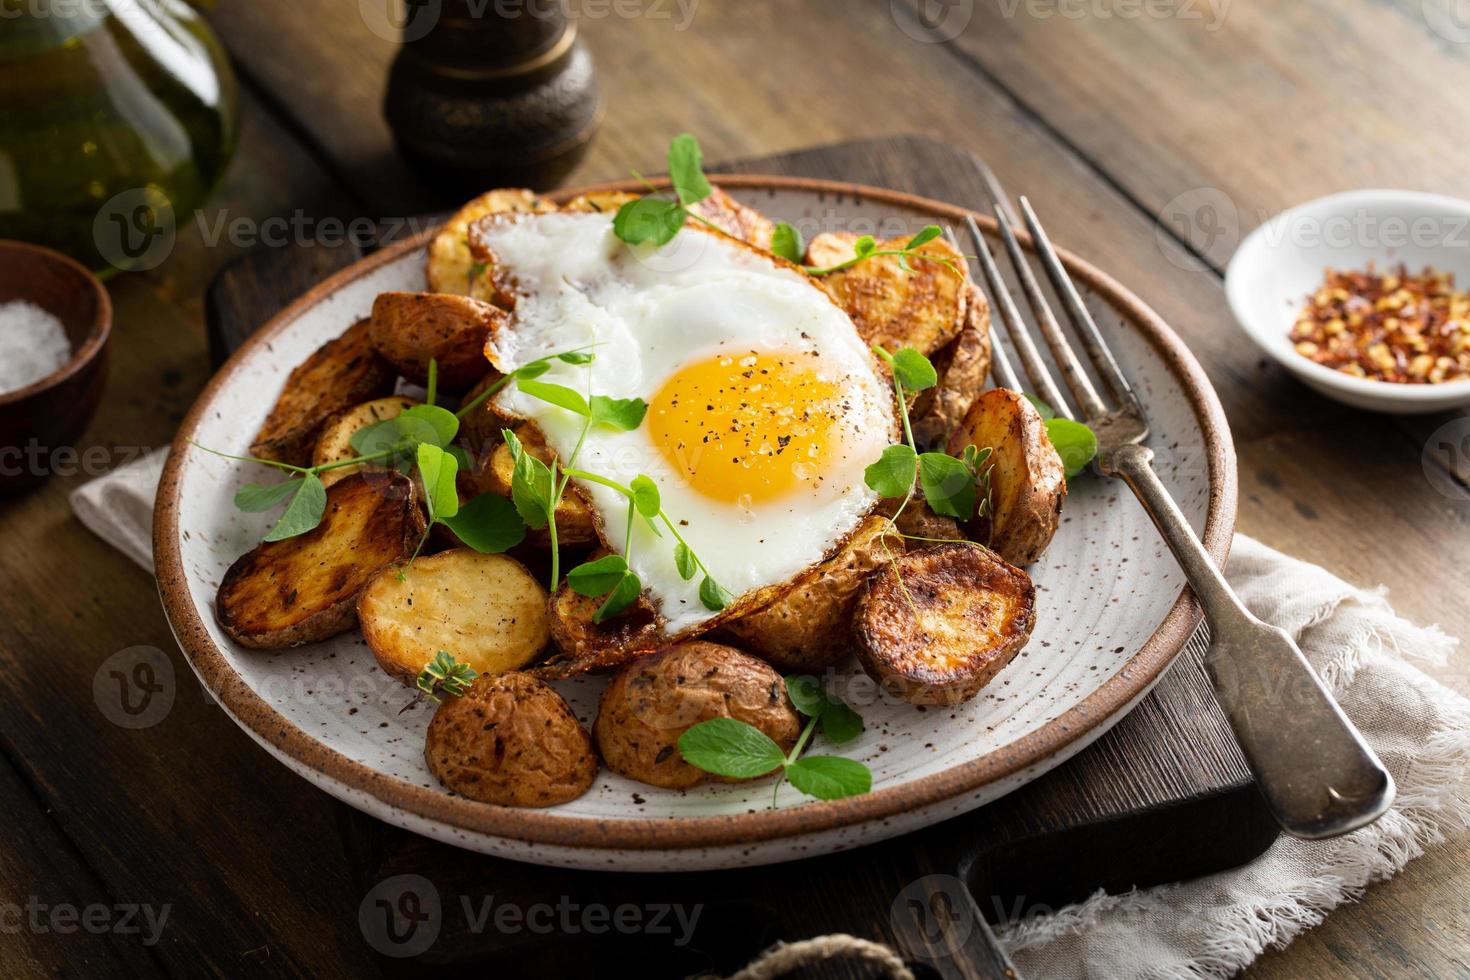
x=575, y=525
x=410, y=329
x=736, y=219
x=451, y=268
x=486, y=610
x=962, y=365
x=335, y=441
x=587, y=647
x=304, y=589
x=341, y=373
x=1028, y=481
x=937, y=624
x=655, y=699
x=510, y=740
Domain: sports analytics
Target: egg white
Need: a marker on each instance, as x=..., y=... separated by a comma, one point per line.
x=645, y=312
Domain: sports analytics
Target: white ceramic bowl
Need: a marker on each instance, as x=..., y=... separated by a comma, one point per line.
x=1284, y=260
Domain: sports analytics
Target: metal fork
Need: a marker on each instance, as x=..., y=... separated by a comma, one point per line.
x=1317, y=775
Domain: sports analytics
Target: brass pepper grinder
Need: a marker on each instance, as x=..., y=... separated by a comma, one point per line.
x=492, y=94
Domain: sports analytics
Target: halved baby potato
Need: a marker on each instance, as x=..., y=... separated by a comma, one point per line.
x=735, y=219
x=410, y=329
x=583, y=646
x=340, y=374
x=655, y=699
x=335, y=441
x=806, y=630
x=575, y=525
x=962, y=365
x=510, y=740
x=304, y=589
x=924, y=307
x=1028, y=481
x=486, y=610
x=937, y=624
x=451, y=267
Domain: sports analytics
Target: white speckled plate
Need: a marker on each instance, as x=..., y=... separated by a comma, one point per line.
x=1112, y=614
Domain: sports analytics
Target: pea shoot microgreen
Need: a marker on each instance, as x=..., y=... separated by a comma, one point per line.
x=733, y=748
x=788, y=243
x=656, y=219
x=866, y=248
x=1074, y=442
x=445, y=675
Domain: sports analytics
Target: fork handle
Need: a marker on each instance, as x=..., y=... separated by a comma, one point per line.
x=1319, y=778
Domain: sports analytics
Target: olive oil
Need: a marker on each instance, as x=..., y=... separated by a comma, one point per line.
x=117, y=117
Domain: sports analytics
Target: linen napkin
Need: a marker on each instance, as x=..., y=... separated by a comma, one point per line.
x=1214, y=926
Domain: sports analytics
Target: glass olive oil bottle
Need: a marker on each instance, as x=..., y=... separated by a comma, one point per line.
x=116, y=117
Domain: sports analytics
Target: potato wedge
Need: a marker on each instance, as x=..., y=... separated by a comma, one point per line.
x=451, y=268
x=735, y=219
x=599, y=203
x=655, y=699
x=806, y=630
x=410, y=329
x=937, y=624
x=335, y=441
x=510, y=740
x=583, y=646
x=919, y=525
x=963, y=365
x=340, y=374
x=575, y=525
x=924, y=308
x=487, y=610
x=304, y=589
x=1028, y=481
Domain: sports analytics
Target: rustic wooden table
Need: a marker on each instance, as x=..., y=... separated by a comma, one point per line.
x=1153, y=134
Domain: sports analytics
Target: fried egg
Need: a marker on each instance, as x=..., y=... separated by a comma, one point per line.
x=764, y=404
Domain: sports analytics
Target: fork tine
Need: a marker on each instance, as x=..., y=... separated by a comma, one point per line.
x=1092, y=339
x=1087, y=397
x=1025, y=347
x=1001, y=371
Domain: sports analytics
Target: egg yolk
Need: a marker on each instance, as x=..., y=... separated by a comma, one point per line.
x=747, y=427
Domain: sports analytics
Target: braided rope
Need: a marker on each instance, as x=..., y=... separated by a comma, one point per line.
x=782, y=958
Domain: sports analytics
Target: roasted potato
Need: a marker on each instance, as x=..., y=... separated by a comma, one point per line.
x=924, y=308
x=655, y=699
x=919, y=525
x=587, y=647
x=340, y=374
x=1028, y=481
x=480, y=428
x=935, y=625
x=451, y=267
x=487, y=610
x=735, y=219
x=574, y=522
x=510, y=740
x=806, y=630
x=410, y=329
x=335, y=441
x=599, y=203
x=962, y=366
x=304, y=589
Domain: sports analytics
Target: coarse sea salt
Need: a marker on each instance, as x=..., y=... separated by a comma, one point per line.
x=33, y=344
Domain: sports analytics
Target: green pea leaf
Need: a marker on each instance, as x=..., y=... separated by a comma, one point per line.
x=949, y=485
x=864, y=246
x=530, y=484
x=444, y=423
x=714, y=596
x=400, y=434
x=840, y=724
x=625, y=414
x=806, y=694
x=576, y=357
x=649, y=219
x=684, y=561
x=893, y=474
x=559, y=395
x=787, y=242
x=1047, y=412
x=595, y=578
x=645, y=496
x=1074, y=442
x=975, y=457
x=829, y=777
x=304, y=512
x=489, y=524
x=913, y=370
x=438, y=469
x=924, y=237
x=533, y=370
x=254, y=498
x=623, y=595
x=727, y=747
x=686, y=170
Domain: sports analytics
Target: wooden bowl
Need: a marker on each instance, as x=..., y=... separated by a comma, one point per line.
x=52, y=413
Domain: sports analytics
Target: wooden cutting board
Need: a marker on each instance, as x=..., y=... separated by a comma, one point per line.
x=1164, y=796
